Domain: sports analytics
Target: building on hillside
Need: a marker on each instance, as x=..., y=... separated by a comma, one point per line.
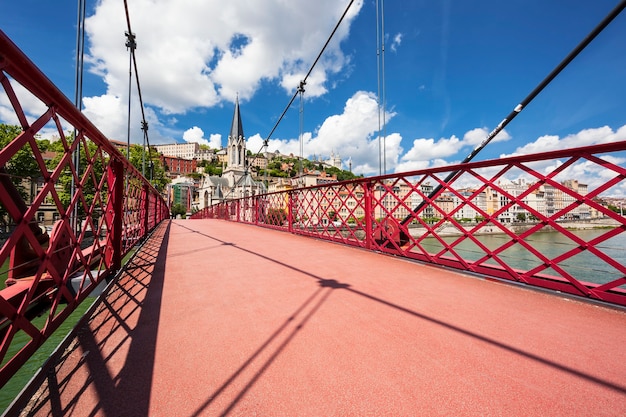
x=189, y=151
x=258, y=161
x=179, y=150
x=236, y=180
x=181, y=194
x=120, y=146
x=222, y=156
x=279, y=184
x=334, y=161
x=206, y=155
x=310, y=178
x=178, y=166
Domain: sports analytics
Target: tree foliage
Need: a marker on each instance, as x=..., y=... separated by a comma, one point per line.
x=287, y=167
x=90, y=182
x=276, y=216
x=154, y=169
x=21, y=169
x=177, y=209
x=211, y=167
x=22, y=165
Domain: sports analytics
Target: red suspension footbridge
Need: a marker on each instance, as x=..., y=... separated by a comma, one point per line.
x=449, y=290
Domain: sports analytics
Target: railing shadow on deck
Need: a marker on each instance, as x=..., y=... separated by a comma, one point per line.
x=110, y=328
x=327, y=286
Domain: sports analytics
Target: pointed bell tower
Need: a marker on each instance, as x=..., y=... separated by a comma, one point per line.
x=236, y=149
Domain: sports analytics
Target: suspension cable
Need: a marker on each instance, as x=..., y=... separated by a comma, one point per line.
x=310, y=70
x=144, y=123
x=301, y=92
x=380, y=165
x=300, y=89
x=78, y=96
x=130, y=43
x=384, y=98
x=522, y=105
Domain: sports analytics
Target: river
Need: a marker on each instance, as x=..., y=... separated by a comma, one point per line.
x=585, y=266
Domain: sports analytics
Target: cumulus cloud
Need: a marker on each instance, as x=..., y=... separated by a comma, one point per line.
x=585, y=137
x=195, y=134
x=32, y=107
x=426, y=152
x=351, y=134
x=475, y=136
x=185, y=62
x=586, y=172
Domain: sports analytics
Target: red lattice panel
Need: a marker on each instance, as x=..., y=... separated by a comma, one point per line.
x=525, y=219
x=70, y=209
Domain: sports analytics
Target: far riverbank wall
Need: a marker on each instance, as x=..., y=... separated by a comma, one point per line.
x=447, y=229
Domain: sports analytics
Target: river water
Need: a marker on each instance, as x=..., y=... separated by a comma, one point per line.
x=585, y=266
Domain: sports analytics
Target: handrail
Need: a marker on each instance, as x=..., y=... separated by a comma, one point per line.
x=57, y=244
x=491, y=218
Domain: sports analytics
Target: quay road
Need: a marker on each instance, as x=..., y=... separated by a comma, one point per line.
x=213, y=318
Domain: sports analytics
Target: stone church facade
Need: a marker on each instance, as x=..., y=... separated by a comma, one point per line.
x=236, y=181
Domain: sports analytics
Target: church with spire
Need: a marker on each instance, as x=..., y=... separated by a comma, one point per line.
x=236, y=180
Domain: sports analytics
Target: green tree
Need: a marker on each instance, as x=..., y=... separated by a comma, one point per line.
x=154, y=169
x=21, y=169
x=276, y=216
x=90, y=185
x=342, y=175
x=211, y=167
x=178, y=209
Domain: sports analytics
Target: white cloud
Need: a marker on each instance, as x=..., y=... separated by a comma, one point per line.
x=425, y=151
x=351, y=134
x=33, y=108
x=109, y=114
x=397, y=40
x=195, y=134
x=475, y=136
x=585, y=137
x=585, y=171
x=354, y=134
x=215, y=141
x=186, y=62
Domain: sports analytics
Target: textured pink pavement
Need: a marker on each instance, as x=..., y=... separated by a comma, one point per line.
x=228, y=319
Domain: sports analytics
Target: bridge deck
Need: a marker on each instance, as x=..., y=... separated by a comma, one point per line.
x=214, y=318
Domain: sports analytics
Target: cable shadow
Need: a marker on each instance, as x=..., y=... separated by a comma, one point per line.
x=134, y=297
x=560, y=367
x=324, y=284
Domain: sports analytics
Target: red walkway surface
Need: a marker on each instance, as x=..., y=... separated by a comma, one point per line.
x=214, y=318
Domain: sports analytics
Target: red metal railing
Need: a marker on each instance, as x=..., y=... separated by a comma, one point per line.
x=518, y=218
x=70, y=209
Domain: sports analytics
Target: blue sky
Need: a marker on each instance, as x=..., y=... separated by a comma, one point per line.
x=453, y=71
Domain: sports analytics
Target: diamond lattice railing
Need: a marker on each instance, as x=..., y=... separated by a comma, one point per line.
x=71, y=206
x=525, y=218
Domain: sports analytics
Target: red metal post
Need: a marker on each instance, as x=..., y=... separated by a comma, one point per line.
x=367, y=188
x=115, y=177
x=290, y=197
x=144, y=216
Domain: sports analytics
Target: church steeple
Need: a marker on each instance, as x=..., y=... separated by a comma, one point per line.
x=236, y=142
x=236, y=129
